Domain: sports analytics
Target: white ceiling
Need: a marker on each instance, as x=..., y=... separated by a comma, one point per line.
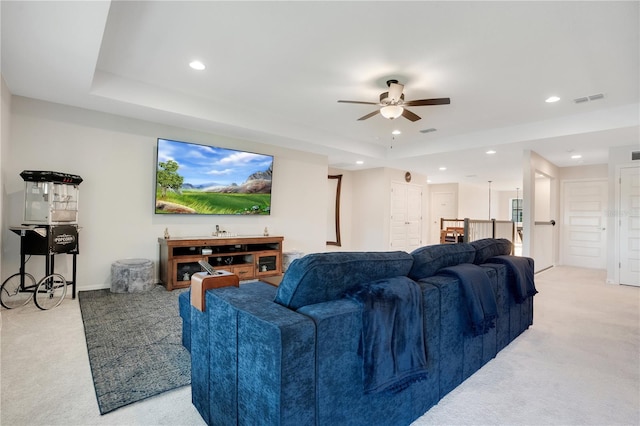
x=276, y=69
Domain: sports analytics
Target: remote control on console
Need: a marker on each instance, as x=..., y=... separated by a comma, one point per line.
x=207, y=267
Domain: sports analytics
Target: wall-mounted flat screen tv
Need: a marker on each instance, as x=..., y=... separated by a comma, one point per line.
x=201, y=179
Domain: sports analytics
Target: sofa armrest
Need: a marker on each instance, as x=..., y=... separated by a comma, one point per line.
x=258, y=360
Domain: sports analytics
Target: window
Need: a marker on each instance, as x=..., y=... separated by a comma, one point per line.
x=516, y=210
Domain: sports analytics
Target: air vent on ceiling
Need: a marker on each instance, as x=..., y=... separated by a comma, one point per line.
x=635, y=155
x=595, y=97
x=428, y=130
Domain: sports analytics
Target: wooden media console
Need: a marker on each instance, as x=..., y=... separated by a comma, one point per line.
x=247, y=257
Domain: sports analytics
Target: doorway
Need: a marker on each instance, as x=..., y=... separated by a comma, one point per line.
x=583, y=242
x=629, y=222
x=443, y=205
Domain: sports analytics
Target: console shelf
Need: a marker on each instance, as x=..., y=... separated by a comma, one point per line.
x=247, y=257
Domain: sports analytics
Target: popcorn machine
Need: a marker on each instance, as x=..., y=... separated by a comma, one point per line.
x=50, y=198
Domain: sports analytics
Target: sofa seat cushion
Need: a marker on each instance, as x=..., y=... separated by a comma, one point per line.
x=323, y=277
x=490, y=247
x=428, y=260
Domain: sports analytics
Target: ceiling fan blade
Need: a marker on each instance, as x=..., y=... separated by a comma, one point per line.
x=358, y=102
x=422, y=102
x=395, y=92
x=409, y=115
x=369, y=115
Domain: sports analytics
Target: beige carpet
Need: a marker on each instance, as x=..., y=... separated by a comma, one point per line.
x=579, y=364
x=46, y=378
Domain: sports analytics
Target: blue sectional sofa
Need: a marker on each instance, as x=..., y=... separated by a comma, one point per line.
x=371, y=338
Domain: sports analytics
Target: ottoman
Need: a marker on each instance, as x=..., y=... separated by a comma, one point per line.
x=131, y=276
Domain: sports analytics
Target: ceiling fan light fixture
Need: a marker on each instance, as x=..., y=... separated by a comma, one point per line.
x=391, y=111
x=197, y=65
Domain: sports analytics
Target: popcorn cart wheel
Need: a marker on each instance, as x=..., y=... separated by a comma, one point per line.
x=19, y=288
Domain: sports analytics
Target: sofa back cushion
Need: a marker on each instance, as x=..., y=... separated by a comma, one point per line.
x=490, y=247
x=323, y=277
x=428, y=260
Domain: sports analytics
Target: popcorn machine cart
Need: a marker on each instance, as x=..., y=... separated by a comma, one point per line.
x=50, y=224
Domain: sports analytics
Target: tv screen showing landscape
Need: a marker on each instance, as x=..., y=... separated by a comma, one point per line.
x=201, y=179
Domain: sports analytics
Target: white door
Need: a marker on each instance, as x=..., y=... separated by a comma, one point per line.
x=584, y=224
x=414, y=217
x=443, y=205
x=406, y=217
x=399, y=212
x=629, y=222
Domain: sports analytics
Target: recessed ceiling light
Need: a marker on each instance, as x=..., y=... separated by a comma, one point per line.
x=442, y=169
x=359, y=162
x=490, y=152
x=576, y=156
x=551, y=99
x=396, y=132
x=197, y=65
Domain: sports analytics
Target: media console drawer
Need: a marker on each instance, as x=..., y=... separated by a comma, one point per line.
x=244, y=272
x=247, y=257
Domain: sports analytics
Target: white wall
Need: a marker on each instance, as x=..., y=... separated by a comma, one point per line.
x=116, y=158
x=369, y=222
x=532, y=164
x=542, y=199
x=5, y=126
x=597, y=171
x=473, y=202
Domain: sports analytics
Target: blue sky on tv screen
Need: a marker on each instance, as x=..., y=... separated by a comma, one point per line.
x=204, y=165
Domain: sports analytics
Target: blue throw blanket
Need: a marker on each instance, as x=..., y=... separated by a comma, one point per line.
x=392, y=342
x=521, y=271
x=479, y=297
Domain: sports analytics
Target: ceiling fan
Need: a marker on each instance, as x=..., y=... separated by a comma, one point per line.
x=393, y=105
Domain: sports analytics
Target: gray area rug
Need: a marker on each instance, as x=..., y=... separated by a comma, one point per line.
x=134, y=344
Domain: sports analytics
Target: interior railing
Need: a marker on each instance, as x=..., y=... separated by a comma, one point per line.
x=467, y=230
